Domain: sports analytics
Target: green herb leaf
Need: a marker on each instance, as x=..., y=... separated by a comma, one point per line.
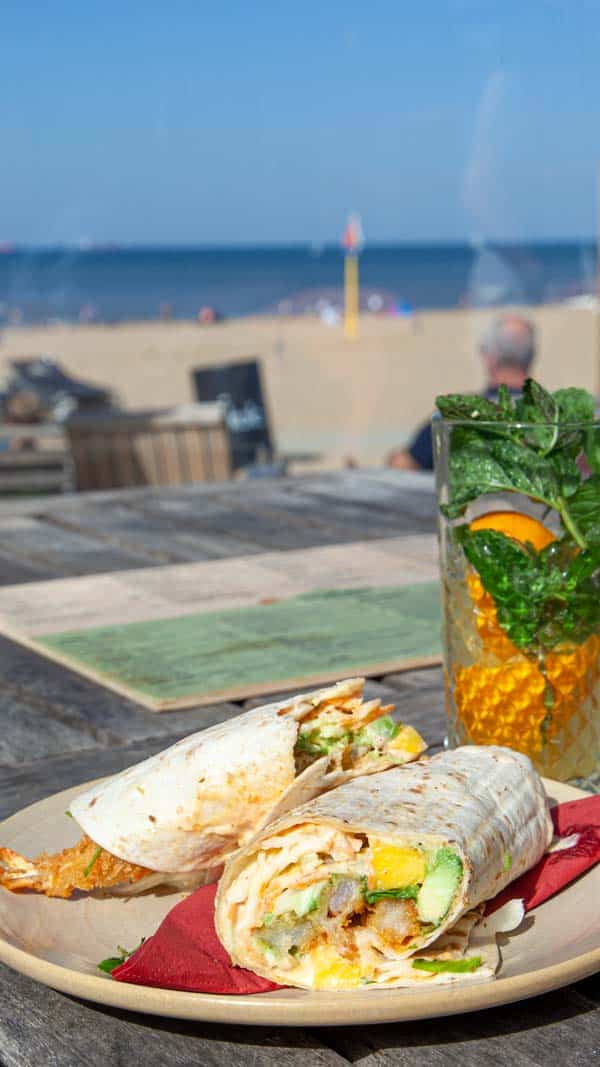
x=507, y=862
x=464, y=966
x=574, y=405
x=406, y=892
x=537, y=406
x=95, y=857
x=584, y=506
x=506, y=404
x=463, y=406
x=316, y=743
x=543, y=599
x=485, y=464
x=110, y=964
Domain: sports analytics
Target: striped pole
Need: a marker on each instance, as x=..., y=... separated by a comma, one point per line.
x=351, y=296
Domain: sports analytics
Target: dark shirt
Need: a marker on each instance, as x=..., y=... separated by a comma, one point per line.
x=421, y=445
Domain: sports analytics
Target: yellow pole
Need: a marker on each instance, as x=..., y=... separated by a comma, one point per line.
x=351, y=297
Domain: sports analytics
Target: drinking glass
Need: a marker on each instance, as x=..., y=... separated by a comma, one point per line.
x=521, y=599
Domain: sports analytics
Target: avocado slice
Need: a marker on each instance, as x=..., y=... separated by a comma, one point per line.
x=439, y=886
x=382, y=729
x=300, y=901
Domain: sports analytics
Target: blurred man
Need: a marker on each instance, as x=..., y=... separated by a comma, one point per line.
x=507, y=349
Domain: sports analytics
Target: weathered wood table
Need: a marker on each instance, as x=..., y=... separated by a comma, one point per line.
x=58, y=729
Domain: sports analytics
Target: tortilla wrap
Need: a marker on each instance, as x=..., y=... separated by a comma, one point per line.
x=180, y=813
x=341, y=891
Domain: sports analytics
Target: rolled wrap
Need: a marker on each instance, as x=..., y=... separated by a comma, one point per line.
x=333, y=894
x=187, y=808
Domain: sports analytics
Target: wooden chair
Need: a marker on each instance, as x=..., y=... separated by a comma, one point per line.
x=239, y=388
x=189, y=444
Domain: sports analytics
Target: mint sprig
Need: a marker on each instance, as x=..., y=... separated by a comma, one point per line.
x=538, y=446
x=543, y=599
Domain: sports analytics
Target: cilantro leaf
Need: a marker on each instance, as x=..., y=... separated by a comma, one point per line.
x=94, y=859
x=464, y=966
x=407, y=892
x=112, y=962
x=109, y=965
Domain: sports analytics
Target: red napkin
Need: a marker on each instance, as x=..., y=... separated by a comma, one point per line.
x=556, y=869
x=185, y=952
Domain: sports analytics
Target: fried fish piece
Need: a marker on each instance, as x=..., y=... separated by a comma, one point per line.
x=85, y=866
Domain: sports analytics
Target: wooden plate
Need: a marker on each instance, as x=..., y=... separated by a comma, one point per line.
x=59, y=943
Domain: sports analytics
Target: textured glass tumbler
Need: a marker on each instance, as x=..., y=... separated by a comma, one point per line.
x=520, y=616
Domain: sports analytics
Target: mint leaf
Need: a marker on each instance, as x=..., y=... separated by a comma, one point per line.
x=485, y=464
x=407, y=892
x=464, y=966
x=584, y=506
x=506, y=404
x=591, y=447
x=537, y=406
x=543, y=599
x=463, y=406
x=574, y=405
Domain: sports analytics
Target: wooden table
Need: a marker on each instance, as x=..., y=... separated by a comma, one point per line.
x=58, y=729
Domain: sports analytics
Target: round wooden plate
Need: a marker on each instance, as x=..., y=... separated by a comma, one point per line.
x=60, y=942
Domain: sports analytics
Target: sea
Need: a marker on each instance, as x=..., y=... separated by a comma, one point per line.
x=115, y=284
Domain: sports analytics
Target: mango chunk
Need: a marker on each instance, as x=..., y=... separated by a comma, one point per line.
x=407, y=740
x=394, y=867
x=332, y=971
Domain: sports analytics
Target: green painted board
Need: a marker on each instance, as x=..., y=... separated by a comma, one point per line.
x=318, y=636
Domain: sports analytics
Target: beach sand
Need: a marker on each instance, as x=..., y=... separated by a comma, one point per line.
x=326, y=394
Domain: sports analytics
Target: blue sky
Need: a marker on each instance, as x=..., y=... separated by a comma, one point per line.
x=197, y=122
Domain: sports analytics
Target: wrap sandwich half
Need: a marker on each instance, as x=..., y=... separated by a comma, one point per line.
x=360, y=886
x=175, y=818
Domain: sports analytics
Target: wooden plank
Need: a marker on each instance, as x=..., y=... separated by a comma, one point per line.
x=48, y=710
x=175, y=591
x=50, y=550
x=169, y=538
x=42, y=1028
x=202, y=658
x=34, y=458
x=561, y=1028
x=32, y=481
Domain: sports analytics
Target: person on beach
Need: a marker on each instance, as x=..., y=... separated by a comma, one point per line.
x=508, y=350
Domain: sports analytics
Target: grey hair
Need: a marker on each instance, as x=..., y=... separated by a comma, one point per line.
x=510, y=340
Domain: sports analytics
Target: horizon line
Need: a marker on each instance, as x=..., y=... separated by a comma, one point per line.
x=8, y=247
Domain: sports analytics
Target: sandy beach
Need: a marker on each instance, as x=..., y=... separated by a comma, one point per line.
x=326, y=394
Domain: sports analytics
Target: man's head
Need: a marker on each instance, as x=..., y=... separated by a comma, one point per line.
x=508, y=350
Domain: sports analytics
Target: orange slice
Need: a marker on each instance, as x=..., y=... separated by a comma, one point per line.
x=520, y=527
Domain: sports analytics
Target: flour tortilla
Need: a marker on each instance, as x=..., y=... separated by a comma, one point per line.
x=487, y=803
x=187, y=808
